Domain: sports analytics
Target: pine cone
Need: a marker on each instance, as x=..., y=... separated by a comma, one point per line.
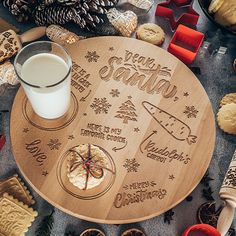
x=21, y=9
x=86, y=13
x=92, y=11
x=57, y=15
x=61, y=2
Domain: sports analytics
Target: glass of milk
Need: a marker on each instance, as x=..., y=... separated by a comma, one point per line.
x=44, y=69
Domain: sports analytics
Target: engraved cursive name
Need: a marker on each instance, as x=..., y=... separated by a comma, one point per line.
x=136, y=70
x=165, y=154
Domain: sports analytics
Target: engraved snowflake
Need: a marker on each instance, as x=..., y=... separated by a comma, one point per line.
x=171, y=177
x=92, y=56
x=54, y=144
x=45, y=173
x=131, y=165
x=136, y=129
x=190, y=111
x=71, y=137
x=186, y=94
x=115, y=93
x=100, y=105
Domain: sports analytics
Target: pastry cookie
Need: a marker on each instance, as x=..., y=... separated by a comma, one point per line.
x=228, y=98
x=226, y=118
x=87, y=166
x=151, y=33
x=215, y=5
x=8, y=74
x=15, y=187
x=61, y=35
x=15, y=217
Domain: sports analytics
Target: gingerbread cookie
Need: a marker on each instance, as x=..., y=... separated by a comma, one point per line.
x=9, y=44
x=228, y=98
x=87, y=166
x=151, y=33
x=15, y=187
x=15, y=217
x=226, y=118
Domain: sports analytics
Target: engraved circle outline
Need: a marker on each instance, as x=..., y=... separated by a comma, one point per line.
x=91, y=197
x=68, y=122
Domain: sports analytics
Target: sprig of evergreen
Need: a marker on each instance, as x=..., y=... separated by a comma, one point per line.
x=46, y=225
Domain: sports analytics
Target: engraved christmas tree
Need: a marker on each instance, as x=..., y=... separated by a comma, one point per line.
x=127, y=112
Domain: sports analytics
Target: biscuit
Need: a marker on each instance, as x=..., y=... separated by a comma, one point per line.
x=77, y=172
x=15, y=187
x=124, y=22
x=228, y=98
x=215, y=5
x=226, y=118
x=226, y=15
x=15, y=216
x=151, y=33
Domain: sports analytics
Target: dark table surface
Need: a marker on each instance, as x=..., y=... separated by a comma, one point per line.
x=217, y=77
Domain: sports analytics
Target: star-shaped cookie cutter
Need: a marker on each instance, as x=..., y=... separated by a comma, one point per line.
x=190, y=17
x=192, y=41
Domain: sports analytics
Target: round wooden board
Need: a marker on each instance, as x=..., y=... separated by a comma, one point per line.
x=139, y=104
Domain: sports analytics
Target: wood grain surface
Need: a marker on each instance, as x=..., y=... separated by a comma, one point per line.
x=144, y=108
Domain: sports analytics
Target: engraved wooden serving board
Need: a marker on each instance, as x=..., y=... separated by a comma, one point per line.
x=144, y=108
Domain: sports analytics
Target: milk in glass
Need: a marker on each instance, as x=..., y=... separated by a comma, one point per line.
x=52, y=99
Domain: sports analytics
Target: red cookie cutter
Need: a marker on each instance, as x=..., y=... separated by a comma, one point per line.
x=185, y=43
x=2, y=141
x=202, y=229
x=190, y=17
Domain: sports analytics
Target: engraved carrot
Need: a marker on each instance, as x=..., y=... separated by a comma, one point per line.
x=175, y=127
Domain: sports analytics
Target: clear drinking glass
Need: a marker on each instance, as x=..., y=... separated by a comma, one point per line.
x=44, y=70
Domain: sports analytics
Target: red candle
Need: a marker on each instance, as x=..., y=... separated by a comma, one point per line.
x=201, y=230
x=198, y=233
